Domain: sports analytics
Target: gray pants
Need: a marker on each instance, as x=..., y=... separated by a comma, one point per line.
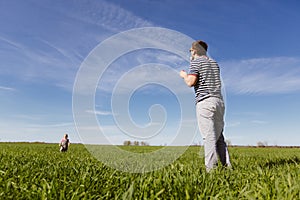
x=210, y=115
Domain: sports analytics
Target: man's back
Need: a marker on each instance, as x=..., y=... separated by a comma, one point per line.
x=209, y=82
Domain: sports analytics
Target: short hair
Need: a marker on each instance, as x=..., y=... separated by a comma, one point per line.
x=200, y=47
x=203, y=44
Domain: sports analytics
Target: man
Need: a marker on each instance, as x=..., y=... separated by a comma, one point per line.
x=204, y=76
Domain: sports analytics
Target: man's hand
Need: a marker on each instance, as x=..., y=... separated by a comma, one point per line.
x=190, y=80
x=183, y=74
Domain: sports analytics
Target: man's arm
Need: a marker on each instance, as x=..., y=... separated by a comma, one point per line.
x=189, y=79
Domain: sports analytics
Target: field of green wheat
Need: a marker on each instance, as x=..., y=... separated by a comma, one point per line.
x=40, y=171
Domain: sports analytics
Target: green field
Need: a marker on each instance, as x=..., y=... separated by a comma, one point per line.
x=40, y=171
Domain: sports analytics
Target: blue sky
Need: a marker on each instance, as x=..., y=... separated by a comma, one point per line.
x=43, y=44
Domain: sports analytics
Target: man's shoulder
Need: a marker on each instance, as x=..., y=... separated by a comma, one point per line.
x=196, y=62
x=202, y=59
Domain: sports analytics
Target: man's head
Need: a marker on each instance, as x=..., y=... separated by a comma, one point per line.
x=199, y=47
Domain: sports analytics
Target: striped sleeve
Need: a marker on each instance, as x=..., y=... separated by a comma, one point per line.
x=194, y=68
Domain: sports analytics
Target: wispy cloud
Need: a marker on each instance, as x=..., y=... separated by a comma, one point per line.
x=251, y=114
x=7, y=88
x=55, y=56
x=148, y=74
x=6, y=41
x=98, y=112
x=103, y=13
x=141, y=68
x=65, y=124
x=260, y=122
x=43, y=62
x=27, y=117
x=232, y=124
x=262, y=75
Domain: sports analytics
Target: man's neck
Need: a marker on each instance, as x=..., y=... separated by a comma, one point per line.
x=199, y=56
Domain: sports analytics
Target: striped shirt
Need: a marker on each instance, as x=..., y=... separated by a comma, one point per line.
x=209, y=82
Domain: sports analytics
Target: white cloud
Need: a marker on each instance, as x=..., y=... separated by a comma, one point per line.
x=101, y=13
x=65, y=124
x=150, y=73
x=7, y=88
x=98, y=112
x=155, y=67
x=9, y=42
x=25, y=117
x=43, y=62
x=231, y=124
x=259, y=122
x=262, y=75
x=12, y=130
x=55, y=56
x=110, y=55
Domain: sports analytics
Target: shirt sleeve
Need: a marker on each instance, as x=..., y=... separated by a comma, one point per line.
x=194, y=69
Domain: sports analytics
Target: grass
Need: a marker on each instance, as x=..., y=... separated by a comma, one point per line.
x=40, y=171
